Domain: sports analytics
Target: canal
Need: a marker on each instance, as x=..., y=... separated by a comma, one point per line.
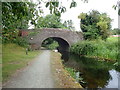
x=93, y=73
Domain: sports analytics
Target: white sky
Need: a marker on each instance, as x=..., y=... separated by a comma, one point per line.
x=100, y=5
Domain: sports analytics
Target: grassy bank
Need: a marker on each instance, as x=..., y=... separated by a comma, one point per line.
x=62, y=77
x=107, y=50
x=0, y=64
x=14, y=58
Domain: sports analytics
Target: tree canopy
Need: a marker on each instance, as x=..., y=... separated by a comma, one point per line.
x=53, y=21
x=69, y=25
x=95, y=24
x=49, y=21
x=16, y=15
x=115, y=31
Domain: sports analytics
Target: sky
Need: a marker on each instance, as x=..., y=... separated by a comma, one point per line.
x=103, y=6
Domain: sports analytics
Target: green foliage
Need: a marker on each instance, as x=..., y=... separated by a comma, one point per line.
x=9, y=35
x=56, y=7
x=47, y=41
x=71, y=71
x=117, y=66
x=21, y=42
x=50, y=44
x=95, y=25
x=69, y=25
x=73, y=4
x=115, y=31
x=92, y=32
x=33, y=33
x=74, y=74
x=12, y=37
x=113, y=39
x=99, y=48
x=16, y=15
x=82, y=16
x=49, y=21
x=53, y=21
x=82, y=48
x=53, y=45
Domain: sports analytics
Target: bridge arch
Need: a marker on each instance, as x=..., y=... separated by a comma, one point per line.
x=63, y=36
x=63, y=44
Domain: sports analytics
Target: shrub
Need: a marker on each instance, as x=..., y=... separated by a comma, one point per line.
x=100, y=48
x=52, y=46
x=21, y=42
x=82, y=48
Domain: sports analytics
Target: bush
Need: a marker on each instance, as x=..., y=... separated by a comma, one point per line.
x=100, y=48
x=115, y=31
x=82, y=48
x=52, y=46
x=12, y=36
x=21, y=42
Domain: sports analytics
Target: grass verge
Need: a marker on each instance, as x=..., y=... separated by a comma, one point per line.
x=0, y=65
x=14, y=58
x=62, y=77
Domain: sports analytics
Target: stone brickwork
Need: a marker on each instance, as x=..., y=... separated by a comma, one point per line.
x=23, y=33
x=64, y=37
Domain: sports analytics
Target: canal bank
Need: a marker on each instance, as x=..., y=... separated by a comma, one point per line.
x=62, y=78
x=95, y=73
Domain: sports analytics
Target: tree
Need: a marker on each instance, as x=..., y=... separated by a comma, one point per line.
x=49, y=21
x=50, y=43
x=95, y=24
x=53, y=21
x=69, y=25
x=115, y=31
x=104, y=25
x=16, y=15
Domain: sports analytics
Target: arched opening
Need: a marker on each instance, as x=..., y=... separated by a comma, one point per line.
x=55, y=43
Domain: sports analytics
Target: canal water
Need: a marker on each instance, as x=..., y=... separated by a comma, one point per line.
x=93, y=73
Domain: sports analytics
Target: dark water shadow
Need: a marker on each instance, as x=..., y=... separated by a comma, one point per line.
x=96, y=73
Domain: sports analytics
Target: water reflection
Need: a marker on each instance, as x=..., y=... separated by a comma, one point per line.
x=114, y=75
x=96, y=73
x=65, y=56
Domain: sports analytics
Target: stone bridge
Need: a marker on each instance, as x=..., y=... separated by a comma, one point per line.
x=65, y=38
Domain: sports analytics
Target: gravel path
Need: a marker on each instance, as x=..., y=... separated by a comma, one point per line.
x=36, y=75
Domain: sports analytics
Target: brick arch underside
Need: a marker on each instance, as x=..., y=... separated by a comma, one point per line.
x=63, y=44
